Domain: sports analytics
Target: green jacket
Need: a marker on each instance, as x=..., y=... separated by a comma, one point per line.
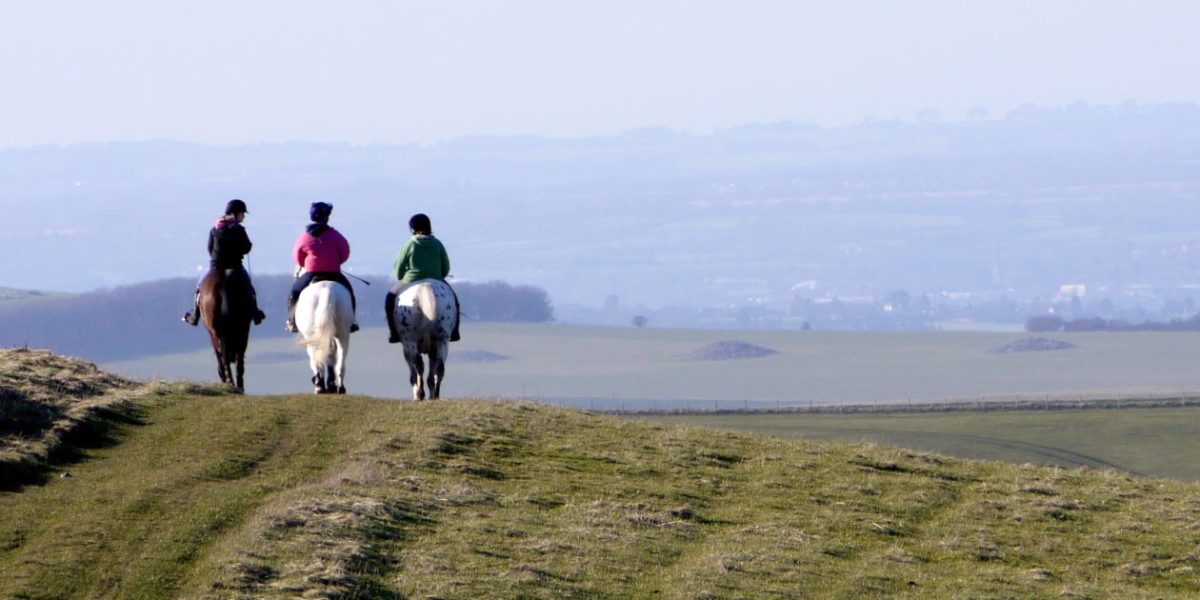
x=422, y=257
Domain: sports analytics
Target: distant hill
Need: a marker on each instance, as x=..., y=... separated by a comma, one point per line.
x=144, y=319
x=1018, y=205
x=10, y=296
x=228, y=496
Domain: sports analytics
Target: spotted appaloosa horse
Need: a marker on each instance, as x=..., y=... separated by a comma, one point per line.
x=226, y=308
x=426, y=312
x=324, y=314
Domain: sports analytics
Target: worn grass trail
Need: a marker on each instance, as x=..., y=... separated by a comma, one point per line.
x=225, y=496
x=133, y=519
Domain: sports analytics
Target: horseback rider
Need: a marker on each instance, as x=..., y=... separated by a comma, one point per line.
x=228, y=243
x=319, y=251
x=422, y=257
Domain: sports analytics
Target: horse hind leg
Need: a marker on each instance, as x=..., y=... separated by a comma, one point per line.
x=416, y=376
x=437, y=367
x=340, y=366
x=419, y=372
x=330, y=379
x=318, y=370
x=437, y=371
x=240, y=361
x=222, y=368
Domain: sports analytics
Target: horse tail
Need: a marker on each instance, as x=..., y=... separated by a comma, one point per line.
x=426, y=302
x=324, y=329
x=322, y=344
x=332, y=316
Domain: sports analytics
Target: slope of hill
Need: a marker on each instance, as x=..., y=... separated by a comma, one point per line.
x=48, y=400
x=229, y=496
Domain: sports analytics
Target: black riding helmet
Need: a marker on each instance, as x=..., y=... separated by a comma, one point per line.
x=420, y=224
x=319, y=212
x=235, y=206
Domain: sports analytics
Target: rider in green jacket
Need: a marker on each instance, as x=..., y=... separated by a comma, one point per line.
x=422, y=257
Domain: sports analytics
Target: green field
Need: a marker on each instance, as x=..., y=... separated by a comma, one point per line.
x=1158, y=442
x=615, y=367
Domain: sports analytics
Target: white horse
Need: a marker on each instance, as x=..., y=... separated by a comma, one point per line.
x=426, y=312
x=323, y=317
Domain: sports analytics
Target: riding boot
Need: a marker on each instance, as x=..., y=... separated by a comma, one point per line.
x=454, y=337
x=192, y=317
x=353, y=307
x=290, y=325
x=259, y=315
x=389, y=309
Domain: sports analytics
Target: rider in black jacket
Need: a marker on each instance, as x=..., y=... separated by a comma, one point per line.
x=228, y=243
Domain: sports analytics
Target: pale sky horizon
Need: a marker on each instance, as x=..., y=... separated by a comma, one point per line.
x=373, y=71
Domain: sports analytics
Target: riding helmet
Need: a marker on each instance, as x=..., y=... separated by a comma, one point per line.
x=235, y=206
x=420, y=223
x=319, y=211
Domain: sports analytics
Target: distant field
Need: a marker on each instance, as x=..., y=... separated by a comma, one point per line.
x=1158, y=442
x=615, y=367
x=13, y=295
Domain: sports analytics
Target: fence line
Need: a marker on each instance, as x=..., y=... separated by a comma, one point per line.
x=996, y=402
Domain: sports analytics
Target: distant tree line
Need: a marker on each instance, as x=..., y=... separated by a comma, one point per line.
x=499, y=301
x=1053, y=323
x=144, y=319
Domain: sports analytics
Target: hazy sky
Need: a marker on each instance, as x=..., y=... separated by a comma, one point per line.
x=395, y=71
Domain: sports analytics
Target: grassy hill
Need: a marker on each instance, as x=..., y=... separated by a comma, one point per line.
x=195, y=493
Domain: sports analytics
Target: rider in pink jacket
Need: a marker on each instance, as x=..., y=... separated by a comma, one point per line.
x=320, y=251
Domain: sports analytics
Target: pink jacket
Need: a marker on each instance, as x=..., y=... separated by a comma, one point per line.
x=324, y=253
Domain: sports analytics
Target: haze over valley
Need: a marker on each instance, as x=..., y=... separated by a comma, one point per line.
x=1085, y=208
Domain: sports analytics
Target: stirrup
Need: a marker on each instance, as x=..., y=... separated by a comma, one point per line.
x=354, y=327
x=190, y=318
x=393, y=338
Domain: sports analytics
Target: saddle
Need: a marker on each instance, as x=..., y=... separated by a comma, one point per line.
x=337, y=277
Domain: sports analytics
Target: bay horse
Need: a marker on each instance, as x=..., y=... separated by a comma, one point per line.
x=227, y=308
x=324, y=314
x=426, y=312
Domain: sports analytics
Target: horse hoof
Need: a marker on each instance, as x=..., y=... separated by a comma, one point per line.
x=341, y=389
x=318, y=390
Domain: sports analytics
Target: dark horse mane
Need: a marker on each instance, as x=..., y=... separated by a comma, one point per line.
x=226, y=306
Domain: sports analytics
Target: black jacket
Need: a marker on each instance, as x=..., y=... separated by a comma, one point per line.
x=227, y=245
